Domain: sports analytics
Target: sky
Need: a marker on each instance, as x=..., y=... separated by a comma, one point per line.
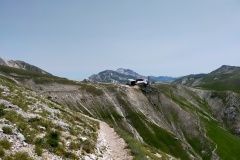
x=78, y=38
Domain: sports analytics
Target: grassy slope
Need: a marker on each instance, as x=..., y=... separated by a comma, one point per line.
x=30, y=127
x=227, y=144
x=152, y=134
x=223, y=85
x=156, y=138
x=37, y=77
x=222, y=80
x=139, y=150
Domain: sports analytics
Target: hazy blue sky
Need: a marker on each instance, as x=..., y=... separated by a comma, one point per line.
x=78, y=38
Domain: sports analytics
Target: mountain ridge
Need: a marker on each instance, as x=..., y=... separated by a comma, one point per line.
x=21, y=65
x=222, y=78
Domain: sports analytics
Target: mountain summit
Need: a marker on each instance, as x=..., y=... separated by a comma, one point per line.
x=121, y=75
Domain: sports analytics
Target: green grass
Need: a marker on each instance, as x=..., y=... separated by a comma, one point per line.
x=110, y=87
x=6, y=79
x=22, y=156
x=156, y=138
x=227, y=144
x=9, y=70
x=88, y=146
x=70, y=155
x=223, y=85
x=75, y=145
x=30, y=128
x=2, y=112
x=39, y=78
x=140, y=151
x=109, y=114
x=152, y=134
x=91, y=89
x=53, y=139
x=5, y=144
x=197, y=142
x=2, y=152
x=38, y=150
x=7, y=130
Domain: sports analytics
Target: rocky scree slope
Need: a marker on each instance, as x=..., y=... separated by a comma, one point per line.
x=158, y=122
x=33, y=127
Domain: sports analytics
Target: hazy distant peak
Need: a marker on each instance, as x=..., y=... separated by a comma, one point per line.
x=225, y=69
x=225, y=73
x=120, y=75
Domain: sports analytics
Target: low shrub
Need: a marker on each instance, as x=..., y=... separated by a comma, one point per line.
x=91, y=89
x=8, y=158
x=22, y=156
x=39, y=141
x=38, y=150
x=60, y=151
x=5, y=144
x=35, y=119
x=2, y=152
x=13, y=116
x=71, y=155
x=53, y=142
x=7, y=130
x=88, y=146
x=53, y=139
x=2, y=112
x=28, y=131
x=75, y=145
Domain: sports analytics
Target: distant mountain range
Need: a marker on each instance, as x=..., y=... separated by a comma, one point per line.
x=21, y=65
x=121, y=75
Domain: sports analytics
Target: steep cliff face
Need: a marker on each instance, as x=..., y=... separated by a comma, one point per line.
x=172, y=119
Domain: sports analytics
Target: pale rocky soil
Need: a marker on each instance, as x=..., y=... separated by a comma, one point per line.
x=109, y=145
x=115, y=146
